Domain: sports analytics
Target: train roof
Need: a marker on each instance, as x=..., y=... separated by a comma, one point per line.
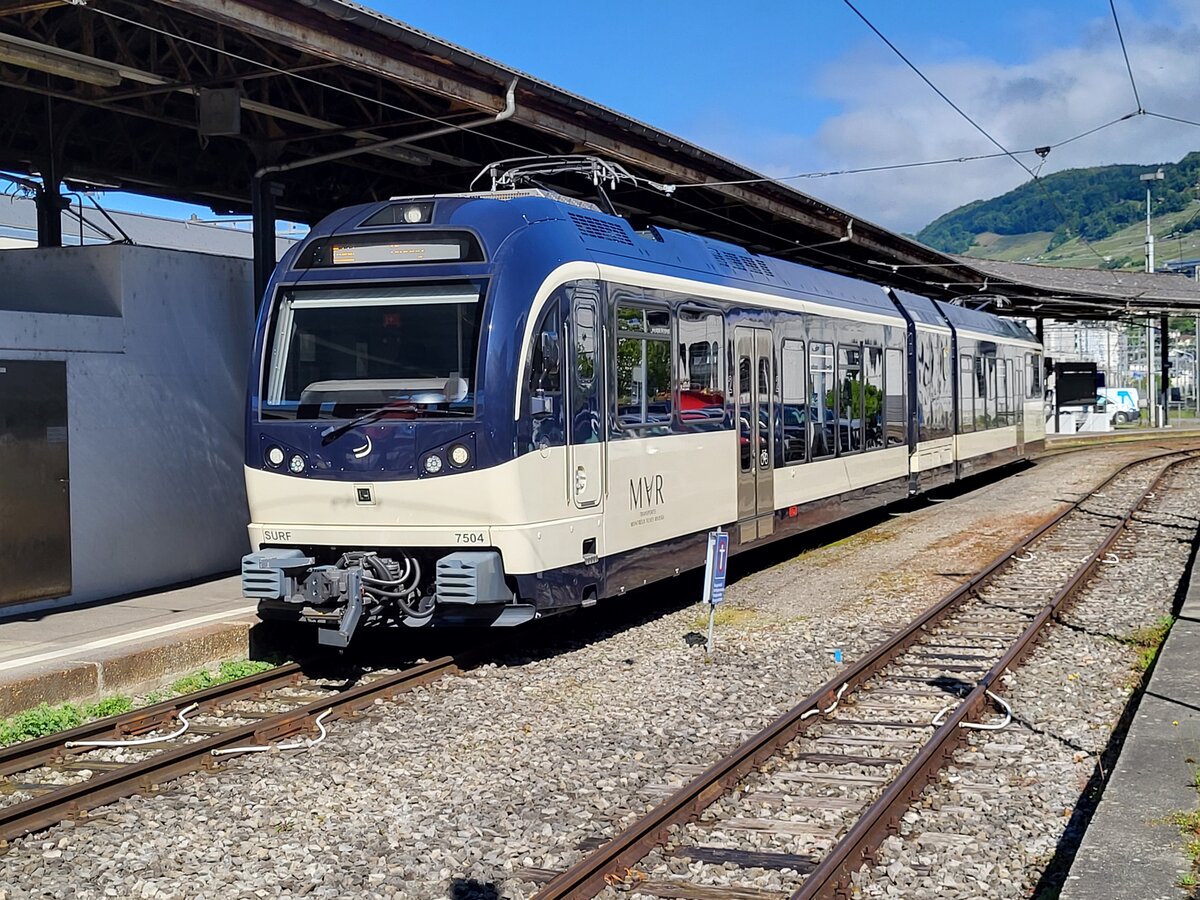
x=613, y=240
x=984, y=323
x=921, y=309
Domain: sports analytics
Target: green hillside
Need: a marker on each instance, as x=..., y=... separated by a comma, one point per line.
x=1105, y=205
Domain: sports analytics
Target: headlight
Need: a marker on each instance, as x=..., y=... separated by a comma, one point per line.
x=433, y=464
x=275, y=456
x=459, y=456
x=414, y=214
x=296, y=463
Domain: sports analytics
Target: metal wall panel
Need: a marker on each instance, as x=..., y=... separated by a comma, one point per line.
x=35, y=487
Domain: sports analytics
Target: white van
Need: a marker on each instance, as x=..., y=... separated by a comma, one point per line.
x=1121, y=403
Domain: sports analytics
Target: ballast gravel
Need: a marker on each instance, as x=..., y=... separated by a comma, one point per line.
x=462, y=788
x=1003, y=820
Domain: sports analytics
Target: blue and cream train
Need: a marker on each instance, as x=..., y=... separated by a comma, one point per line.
x=490, y=408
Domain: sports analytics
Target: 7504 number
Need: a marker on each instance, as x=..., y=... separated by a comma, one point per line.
x=469, y=537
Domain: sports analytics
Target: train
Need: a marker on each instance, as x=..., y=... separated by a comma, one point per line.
x=488, y=408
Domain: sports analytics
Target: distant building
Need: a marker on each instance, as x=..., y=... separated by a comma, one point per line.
x=1186, y=267
x=18, y=230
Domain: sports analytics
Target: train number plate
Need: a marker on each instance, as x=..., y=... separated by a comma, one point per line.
x=468, y=537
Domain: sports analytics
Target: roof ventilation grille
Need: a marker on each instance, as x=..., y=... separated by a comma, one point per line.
x=742, y=262
x=592, y=227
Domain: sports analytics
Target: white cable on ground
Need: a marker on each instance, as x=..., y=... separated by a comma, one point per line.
x=302, y=744
x=937, y=720
x=836, y=700
x=1029, y=558
x=135, y=742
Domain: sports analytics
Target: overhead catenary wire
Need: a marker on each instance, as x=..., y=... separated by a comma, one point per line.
x=774, y=238
x=1121, y=37
x=1041, y=151
x=1033, y=175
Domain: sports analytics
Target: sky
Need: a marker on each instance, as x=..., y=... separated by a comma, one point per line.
x=804, y=86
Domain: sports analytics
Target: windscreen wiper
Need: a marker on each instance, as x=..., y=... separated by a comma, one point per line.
x=333, y=432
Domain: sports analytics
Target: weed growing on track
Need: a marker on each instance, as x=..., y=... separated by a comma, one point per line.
x=227, y=671
x=45, y=719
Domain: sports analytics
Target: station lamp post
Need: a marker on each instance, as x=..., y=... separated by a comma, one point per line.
x=1149, y=177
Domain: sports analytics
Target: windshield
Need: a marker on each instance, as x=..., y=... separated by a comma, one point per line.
x=338, y=353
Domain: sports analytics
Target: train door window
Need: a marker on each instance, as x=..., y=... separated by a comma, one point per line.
x=745, y=433
x=850, y=395
x=980, y=393
x=894, y=410
x=873, y=408
x=585, y=416
x=1001, y=393
x=700, y=369
x=821, y=415
x=1014, y=392
x=643, y=367
x=765, y=390
x=794, y=407
x=966, y=393
x=985, y=392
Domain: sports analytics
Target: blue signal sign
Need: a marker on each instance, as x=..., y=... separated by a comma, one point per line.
x=716, y=566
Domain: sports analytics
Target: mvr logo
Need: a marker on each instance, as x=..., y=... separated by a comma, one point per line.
x=645, y=493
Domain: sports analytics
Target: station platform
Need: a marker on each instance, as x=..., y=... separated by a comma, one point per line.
x=127, y=645
x=1188, y=429
x=1131, y=849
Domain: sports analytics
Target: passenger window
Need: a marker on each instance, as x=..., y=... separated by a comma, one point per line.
x=821, y=402
x=795, y=409
x=894, y=412
x=966, y=393
x=701, y=370
x=643, y=370
x=545, y=381
x=545, y=371
x=850, y=415
x=1033, y=376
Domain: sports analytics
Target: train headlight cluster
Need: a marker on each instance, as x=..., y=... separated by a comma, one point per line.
x=296, y=463
x=432, y=464
x=459, y=456
x=416, y=213
x=275, y=456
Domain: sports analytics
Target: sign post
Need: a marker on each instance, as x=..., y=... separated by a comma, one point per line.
x=714, y=576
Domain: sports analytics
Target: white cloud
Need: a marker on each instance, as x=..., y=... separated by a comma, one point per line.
x=889, y=116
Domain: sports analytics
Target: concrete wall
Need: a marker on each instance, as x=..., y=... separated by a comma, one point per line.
x=156, y=344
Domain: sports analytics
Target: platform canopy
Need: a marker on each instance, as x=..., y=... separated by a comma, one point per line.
x=189, y=99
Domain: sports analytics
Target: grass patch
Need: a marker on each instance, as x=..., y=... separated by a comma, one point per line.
x=725, y=615
x=1188, y=824
x=1147, y=640
x=45, y=719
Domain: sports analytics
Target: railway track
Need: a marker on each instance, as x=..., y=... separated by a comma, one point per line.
x=62, y=776
x=814, y=794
